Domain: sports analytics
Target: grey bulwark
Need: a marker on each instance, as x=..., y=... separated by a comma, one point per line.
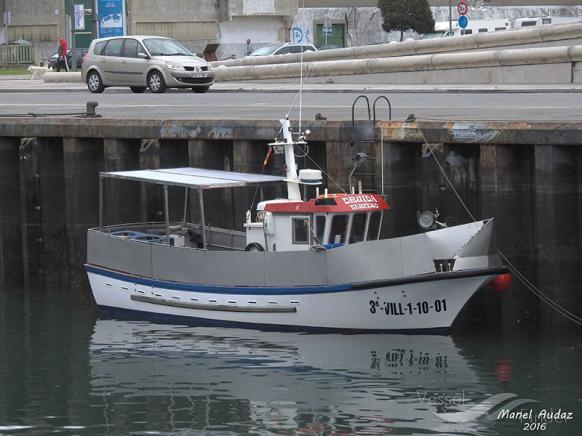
x=355, y=263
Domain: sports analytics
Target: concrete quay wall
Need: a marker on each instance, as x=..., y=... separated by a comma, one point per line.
x=527, y=175
x=545, y=65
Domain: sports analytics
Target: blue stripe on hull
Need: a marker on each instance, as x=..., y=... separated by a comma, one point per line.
x=129, y=314
x=240, y=290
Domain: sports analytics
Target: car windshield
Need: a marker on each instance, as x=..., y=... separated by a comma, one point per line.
x=266, y=51
x=166, y=47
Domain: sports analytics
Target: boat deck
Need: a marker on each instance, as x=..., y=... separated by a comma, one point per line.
x=188, y=235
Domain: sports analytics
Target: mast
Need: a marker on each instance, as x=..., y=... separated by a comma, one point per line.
x=292, y=180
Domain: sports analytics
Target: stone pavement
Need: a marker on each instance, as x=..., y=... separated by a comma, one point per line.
x=9, y=84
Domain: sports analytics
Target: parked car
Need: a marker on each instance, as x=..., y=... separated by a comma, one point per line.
x=279, y=48
x=141, y=62
x=54, y=58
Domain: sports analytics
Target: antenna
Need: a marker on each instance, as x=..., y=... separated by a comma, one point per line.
x=301, y=81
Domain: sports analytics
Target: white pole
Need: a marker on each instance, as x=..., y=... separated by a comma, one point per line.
x=292, y=182
x=382, y=158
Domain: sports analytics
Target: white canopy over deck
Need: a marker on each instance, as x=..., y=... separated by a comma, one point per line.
x=189, y=178
x=193, y=177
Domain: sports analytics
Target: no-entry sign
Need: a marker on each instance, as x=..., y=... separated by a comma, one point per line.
x=462, y=8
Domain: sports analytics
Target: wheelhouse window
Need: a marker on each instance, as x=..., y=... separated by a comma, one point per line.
x=339, y=226
x=374, y=226
x=320, y=228
x=300, y=226
x=358, y=228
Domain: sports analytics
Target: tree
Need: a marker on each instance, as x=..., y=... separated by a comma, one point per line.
x=406, y=15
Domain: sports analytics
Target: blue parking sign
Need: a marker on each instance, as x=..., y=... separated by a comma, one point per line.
x=463, y=21
x=111, y=15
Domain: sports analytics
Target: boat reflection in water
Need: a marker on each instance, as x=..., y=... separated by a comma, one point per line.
x=168, y=377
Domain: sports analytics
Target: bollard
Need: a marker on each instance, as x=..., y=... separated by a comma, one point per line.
x=91, y=106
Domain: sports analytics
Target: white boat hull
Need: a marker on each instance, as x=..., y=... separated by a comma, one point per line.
x=425, y=304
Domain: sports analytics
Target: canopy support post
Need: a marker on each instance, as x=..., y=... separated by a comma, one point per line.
x=202, y=219
x=185, y=207
x=100, y=202
x=167, y=213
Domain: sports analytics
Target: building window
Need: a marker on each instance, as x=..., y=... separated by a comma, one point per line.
x=330, y=39
x=339, y=225
x=300, y=227
x=358, y=228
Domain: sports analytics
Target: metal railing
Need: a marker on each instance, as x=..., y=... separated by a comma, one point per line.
x=15, y=54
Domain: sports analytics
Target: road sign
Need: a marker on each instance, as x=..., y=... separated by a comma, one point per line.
x=463, y=21
x=462, y=8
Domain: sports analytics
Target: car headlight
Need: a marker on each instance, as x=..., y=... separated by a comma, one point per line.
x=209, y=67
x=172, y=66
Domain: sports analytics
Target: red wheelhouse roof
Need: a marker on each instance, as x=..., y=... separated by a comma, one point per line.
x=332, y=203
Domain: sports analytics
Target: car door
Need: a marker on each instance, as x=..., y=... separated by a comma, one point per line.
x=110, y=62
x=134, y=67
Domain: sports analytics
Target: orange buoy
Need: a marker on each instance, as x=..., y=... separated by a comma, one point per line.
x=501, y=282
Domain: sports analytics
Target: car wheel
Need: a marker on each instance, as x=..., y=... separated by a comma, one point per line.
x=94, y=82
x=138, y=89
x=156, y=82
x=200, y=90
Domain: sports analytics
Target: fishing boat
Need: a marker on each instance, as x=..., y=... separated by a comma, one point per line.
x=300, y=263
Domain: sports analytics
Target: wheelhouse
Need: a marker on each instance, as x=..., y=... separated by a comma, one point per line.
x=327, y=221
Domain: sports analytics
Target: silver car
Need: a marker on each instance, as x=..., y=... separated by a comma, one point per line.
x=142, y=62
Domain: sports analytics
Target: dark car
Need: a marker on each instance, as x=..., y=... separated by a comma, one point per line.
x=53, y=59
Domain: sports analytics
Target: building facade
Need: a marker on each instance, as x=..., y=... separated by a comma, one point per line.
x=220, y=25
x=226, y=24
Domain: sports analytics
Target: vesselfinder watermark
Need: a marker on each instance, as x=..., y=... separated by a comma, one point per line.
x=456, y=407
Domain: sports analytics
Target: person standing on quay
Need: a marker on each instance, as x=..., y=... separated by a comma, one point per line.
x=62, y=52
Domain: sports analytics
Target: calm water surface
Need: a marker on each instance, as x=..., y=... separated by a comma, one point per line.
x=65, y=369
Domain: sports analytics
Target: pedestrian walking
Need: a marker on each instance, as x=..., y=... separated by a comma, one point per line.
x=62, y=53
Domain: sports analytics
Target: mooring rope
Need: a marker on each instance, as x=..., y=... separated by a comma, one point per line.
x=521, y=277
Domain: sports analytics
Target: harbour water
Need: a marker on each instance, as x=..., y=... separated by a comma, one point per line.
x=66, y=369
